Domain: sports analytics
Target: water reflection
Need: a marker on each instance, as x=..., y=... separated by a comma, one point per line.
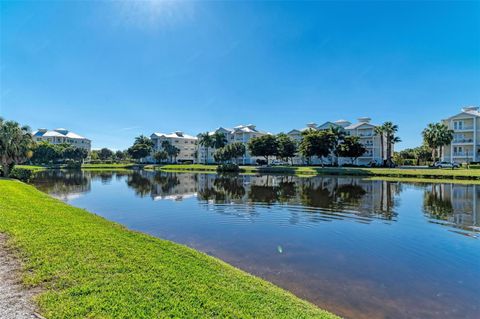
x=454, y=204
x=358, y=247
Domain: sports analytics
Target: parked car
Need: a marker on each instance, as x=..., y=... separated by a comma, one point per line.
x=278, y=163
x=446, y=165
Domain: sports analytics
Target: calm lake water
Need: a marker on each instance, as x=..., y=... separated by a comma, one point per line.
x=357, y=247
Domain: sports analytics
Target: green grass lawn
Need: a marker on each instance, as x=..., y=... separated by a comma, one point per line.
x=93, y=268
x=355, y=171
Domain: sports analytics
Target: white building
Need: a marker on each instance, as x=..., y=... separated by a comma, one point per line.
x=60, y=136
x=363, y=129
x=465, y=145
x=187, y=144
x=241, y=133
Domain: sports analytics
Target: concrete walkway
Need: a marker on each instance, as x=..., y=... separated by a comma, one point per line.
x=15, y=301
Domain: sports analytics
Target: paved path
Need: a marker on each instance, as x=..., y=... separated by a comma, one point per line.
x=15, y=300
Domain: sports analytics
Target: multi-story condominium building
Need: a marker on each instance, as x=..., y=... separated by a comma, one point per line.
x=363, y=129
x=61, y=136
x=466, y=137
x=187, y=144
x=241, y=133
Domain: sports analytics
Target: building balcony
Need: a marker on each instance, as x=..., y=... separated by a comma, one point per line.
x=463, y=128
x=463, y=154
x=462, y=141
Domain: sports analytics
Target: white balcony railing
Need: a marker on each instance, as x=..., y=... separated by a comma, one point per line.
x=463, y=128
x=463, y=154
x=463, y=140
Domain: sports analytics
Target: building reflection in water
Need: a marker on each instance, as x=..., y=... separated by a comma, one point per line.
x=456, y=204
x=364, y=199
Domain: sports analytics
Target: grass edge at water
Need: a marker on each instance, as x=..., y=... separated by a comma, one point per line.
x=92, y=267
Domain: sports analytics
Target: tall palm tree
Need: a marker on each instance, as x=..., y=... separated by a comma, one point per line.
x=430, y=138
x=142, y=139
x=338, y=134
x=15, y=144
x=205, y=140
x=379, y=131
x=389, y=130
x=436, y=136
x=445, y=137
x=219, y=140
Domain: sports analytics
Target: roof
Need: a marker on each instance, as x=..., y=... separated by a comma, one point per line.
x=174, y=135
x=57, y=133
x=357, y=125
x=471, y=111
x=328, y=124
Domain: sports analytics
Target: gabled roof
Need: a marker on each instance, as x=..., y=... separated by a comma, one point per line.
x=327, y=125
x=359, y=124
x=294, y=131
x=468, y=113
x=180, y=135
x=57, y=133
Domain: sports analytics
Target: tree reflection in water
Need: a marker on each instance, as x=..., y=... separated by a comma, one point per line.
x=453, y=203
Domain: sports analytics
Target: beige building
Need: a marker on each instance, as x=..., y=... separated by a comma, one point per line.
x=187, y=144
x=363, y=129
x=242, y=134
x=466, y=136
x=61, y=136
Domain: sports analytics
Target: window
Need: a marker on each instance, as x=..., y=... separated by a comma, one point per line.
x=458, y=125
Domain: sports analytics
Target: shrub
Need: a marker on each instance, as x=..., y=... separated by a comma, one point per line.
x=71, y=164
x=22, y=174
x=230, y=167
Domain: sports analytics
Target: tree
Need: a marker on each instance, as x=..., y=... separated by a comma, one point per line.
x=337, y=134
x=142, y=139
x=316, y=143
x=436, y=136
x=236, y=150
x=287, y=147
x=120, y=155
x=105, y=154
x=220, y=155
x=389, y=130
x=171, y=150
x=76, y=154
x=379, y=131
x=44, y=152
x=15, y=145
x=264, y=146
x=351, y=147
x=160, y=156
x=229, y=152
x=142, y=147
x=219, y=140
x=205, y=140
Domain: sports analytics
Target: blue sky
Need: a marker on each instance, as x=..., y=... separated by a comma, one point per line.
x=113, y=70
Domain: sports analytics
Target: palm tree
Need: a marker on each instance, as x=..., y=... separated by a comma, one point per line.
x=142, y=139
x=436, y=136
x=445, y=136
x=379, y=131
x=205, y=140
x=15, y=144
x=430, y=138
x=219, y=140
x=389, y=130
x=338, y=134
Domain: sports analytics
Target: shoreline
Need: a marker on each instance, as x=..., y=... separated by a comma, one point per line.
x=402, y=174
x=91, y=267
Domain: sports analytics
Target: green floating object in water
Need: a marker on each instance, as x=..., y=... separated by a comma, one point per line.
x=280, y=249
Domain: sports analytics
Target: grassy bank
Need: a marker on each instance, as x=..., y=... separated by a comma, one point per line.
x=93, y=268
x=466, y=174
